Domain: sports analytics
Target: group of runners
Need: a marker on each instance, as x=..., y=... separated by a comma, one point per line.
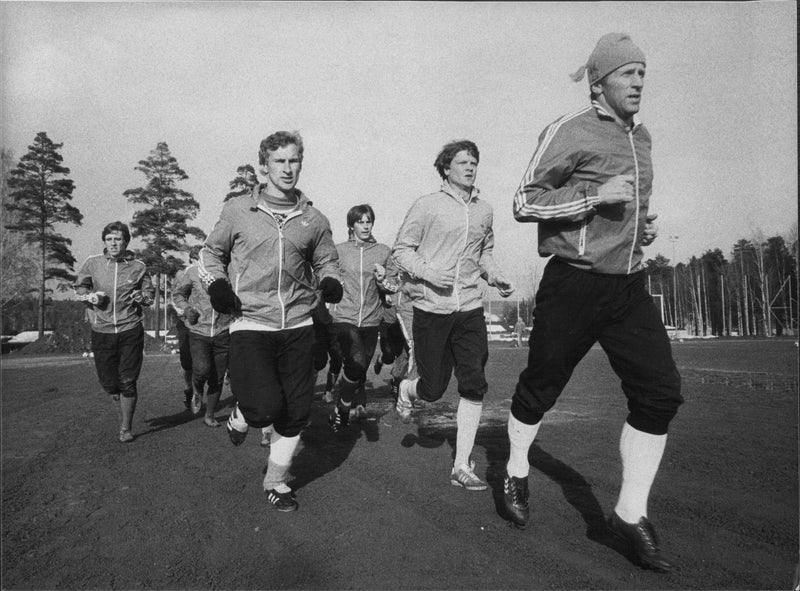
x=270, y=300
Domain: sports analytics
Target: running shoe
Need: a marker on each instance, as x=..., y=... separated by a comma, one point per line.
x=464, y=476
x=236, y=427
x=282, y=501
x=515, y=499
x=339, y=418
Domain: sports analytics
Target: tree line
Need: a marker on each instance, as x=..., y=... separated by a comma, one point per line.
x=754, y=292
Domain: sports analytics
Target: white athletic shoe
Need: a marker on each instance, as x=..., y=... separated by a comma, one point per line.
x=237, y=427
x=464, y=476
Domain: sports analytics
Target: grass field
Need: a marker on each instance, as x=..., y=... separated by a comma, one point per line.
x=181, y=508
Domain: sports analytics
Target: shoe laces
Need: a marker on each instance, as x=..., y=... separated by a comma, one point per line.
x=647, y=534
x=514, y=491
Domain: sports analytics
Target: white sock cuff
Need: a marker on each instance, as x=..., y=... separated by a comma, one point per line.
x=631, y=439
x=275, y=477
x=524, y=431
x=520, y=436
x=282, y=449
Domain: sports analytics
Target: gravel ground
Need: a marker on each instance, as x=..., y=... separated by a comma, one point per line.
x=181, y=508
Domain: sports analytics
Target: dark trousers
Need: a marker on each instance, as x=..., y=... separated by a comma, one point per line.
x=450, y=343
x=272, y=377
x=325, y=343
x=184, y=350
x=357, y=346
x=575, y=309
x=209, y=360
x=392, y=341
x=118, y=360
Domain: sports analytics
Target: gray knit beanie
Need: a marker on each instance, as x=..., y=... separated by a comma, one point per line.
x=612, y=51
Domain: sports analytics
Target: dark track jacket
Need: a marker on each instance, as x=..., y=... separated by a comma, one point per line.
x=576, y=154
x=118, y=278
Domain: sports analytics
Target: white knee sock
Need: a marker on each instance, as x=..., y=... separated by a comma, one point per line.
x=281, y=453
x=641, y=455
x=468, y=417
x=520, y=437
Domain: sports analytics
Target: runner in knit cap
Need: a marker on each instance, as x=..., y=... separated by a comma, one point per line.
x=588, y=187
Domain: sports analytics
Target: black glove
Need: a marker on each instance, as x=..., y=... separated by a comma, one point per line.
x=191, y=315
x=223, y=299
x=331, y=289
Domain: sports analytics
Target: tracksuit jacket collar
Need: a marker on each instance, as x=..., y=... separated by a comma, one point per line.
x=255, y=199
x=367, y=242
x=601, y=112
x=123, y=257
x=446, y=188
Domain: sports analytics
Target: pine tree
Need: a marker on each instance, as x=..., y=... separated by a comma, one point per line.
x=163, y=223
x=243, y=183
x=39, y=198
x=18, y=267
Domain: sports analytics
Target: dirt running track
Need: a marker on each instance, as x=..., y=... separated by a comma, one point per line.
x=181, y=508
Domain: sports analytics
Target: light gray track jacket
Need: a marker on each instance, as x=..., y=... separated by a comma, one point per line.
x=273, y=264
x=189, y=291
x=361, y=303
x=441, y=231
x=118, y=278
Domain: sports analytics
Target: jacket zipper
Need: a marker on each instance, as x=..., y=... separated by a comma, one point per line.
x=636, y=194
x=360, y=284
x=280, y=274
x=458, y=260
x=582, y=239
x=280, y=259
x=114, y=306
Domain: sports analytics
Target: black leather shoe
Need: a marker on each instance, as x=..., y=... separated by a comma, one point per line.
x=515, y=499
x=643, y=542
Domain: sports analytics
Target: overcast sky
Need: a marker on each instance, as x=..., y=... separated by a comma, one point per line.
x=377, y=88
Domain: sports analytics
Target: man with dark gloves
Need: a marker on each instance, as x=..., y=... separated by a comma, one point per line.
x=269, y=261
